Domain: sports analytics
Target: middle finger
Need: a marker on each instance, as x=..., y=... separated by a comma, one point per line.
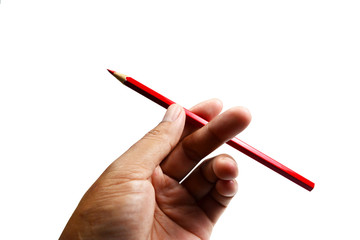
x=203, y=141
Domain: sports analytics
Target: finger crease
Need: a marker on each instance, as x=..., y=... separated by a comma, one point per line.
x=218, y=140
x=191, y=153
x=202, y=171
x=217, y=201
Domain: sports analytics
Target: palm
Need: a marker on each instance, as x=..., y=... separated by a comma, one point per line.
x=155, y=208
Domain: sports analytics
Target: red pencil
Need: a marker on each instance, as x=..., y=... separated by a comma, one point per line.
x=235, y=142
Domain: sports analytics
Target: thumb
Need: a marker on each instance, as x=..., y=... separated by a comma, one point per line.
x=144, y=156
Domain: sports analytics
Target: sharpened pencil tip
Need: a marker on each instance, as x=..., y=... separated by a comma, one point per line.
x=111, y=71
x=119, y=76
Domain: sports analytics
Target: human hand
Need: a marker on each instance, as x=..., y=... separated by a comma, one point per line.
x=139, y=196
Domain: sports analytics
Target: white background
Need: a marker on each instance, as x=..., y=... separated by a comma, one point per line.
x=64, y=118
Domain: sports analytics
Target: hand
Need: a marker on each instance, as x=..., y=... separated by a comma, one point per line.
x=139, y=196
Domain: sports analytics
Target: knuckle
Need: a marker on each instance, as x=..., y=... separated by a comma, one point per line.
x=155, y=134
x=159, y=135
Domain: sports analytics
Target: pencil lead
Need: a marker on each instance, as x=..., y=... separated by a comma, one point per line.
x=111, y=71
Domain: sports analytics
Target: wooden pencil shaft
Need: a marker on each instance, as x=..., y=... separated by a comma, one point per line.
x=235, y=142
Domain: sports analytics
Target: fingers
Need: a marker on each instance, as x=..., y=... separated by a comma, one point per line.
x=203, y=178
x=200, y=143
x=141, y=159
x=213, y=184
x=214, y=203
x=207, y=110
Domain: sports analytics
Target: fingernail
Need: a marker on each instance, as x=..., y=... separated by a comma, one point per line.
x=172, y=113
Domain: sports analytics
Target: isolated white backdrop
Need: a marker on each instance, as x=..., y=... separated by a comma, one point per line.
x=64, y=118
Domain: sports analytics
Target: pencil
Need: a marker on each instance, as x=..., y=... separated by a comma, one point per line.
x=235, y=142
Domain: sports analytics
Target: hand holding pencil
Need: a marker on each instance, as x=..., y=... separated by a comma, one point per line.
x=139, y=195
x=198, y=121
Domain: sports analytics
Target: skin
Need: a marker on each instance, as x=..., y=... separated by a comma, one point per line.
x=139, y=196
